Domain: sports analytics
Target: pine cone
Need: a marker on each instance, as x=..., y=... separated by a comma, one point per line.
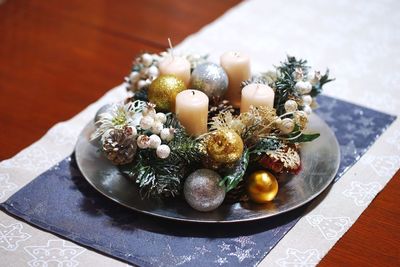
x=238, y=194
x=119, y=146
x=222, y=106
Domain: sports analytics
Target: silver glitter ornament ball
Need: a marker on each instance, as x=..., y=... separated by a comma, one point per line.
x=202, y=191
x=211, y=79
x=103, y=109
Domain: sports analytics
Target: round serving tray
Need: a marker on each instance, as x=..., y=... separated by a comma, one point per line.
x=320, y=161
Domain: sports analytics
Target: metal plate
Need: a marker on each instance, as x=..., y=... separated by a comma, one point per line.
x=320, y=161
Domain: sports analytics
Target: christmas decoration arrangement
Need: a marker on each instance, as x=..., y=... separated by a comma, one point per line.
x=209, y=133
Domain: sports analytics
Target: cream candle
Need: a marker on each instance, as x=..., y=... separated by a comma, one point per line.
x=237, y=66
x=256, y=95
x=178, y=66
x=192, y=111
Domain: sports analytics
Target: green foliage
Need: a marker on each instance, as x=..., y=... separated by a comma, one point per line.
x=317, y=89
x=163, y=177
x=304, y=138
x=235, y=175
x=264, y=145
x=285, y=82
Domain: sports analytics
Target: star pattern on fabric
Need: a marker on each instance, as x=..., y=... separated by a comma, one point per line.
x=54, y=253
x=168, y=258
x=224, y=246
x=241, y=253
x=244, y=240
x=221, y=260
x=348, y=149
x=202, y=250
x=5, y=185
x=11, y=235
x=299, y=258
x=362, y=194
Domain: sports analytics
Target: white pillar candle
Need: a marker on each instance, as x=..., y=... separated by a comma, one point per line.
x=256, y=95
x=178, y=66
x=237, y=66
x=192, y=111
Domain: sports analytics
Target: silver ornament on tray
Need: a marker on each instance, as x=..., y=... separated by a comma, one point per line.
x=202, y=190
x=211, y=79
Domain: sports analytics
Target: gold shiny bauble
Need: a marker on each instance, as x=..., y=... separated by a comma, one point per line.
x=262, y=186
x=224, y=146
x=163, y=91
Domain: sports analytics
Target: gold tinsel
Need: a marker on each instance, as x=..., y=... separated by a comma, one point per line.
x=257, y=122
x=288, y=155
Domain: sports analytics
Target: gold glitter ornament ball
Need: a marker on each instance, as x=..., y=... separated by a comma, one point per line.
x=163, y=91
x=262, y=186
x=224, y=146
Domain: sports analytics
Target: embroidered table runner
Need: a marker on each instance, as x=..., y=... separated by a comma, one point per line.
x=61, y=201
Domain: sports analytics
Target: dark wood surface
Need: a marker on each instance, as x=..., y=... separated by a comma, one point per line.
x=56, y=57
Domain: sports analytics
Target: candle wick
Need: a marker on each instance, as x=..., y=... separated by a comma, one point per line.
x=171, y=48
x=193, y=92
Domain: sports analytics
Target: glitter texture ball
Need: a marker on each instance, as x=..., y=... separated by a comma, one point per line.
x=224, y=146
x=202, y=190
x=211, y=79
x=262, y=186
x=163, y=91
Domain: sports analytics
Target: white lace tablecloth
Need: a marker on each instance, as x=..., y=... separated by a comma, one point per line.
x=357, y=40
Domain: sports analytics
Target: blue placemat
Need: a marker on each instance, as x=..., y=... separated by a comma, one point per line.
x=61, y=201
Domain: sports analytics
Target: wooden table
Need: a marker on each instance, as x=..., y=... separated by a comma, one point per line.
x=59, y=56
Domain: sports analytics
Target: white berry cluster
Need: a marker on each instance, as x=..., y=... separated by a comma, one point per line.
x=144, y=71
x=153, y=123
x=303, y=87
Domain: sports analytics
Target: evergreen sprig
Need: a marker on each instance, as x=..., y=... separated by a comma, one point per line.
x=163, y=177
x=285, y=82
x=317, y=88
x=264, y=145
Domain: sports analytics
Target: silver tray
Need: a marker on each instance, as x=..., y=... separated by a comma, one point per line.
x=320, y=161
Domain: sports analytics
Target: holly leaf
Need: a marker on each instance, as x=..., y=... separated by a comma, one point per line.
x=236, y=174
x=305, y=138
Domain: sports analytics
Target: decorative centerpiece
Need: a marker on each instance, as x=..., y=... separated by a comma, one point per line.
x=211, y=133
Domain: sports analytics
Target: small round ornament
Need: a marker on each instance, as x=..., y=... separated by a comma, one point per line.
x=155, y=141
x=303, y=87
x=202, y=190
x=143, y=141
x=156, y=127
x=147, y=59
x=290, y=106
x=307, y=109
x=224, y=146
x=307, y=100
x=163, y=151
x=262, y=186
x=161, y=117
x=211, y=79
x=286, y=126
x=163, y=90
x=146, y=122
x=167, y=134
x=104, y=109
